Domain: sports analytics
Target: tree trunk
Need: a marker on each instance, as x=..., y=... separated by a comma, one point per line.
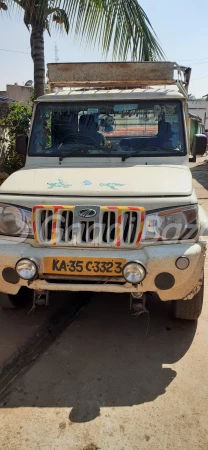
x=37, y=52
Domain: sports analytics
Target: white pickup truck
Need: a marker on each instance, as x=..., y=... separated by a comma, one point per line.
x=105, y=202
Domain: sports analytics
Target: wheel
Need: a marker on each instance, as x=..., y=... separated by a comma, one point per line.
x=190, y=309
x=20, y=300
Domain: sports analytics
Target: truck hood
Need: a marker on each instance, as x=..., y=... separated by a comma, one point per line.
x=128, y=181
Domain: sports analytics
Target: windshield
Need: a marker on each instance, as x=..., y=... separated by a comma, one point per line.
x=144, y=128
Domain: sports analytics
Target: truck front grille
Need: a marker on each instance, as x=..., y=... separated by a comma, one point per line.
x=76, y=226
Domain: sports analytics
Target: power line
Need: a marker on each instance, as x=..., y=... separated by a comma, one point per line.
x=196, y=59
x=16, y=51
x=13, y=51
x=28, y=53
x=56, y=53
x=201, y=78
x=200, y=63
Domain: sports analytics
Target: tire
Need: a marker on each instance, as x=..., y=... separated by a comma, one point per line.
x=18, y=301
x=189, y=309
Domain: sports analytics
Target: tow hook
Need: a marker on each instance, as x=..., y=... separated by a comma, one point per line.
x=138, y=304
x=40, y=298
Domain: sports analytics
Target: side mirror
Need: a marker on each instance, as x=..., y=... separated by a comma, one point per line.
x=21, y=144
x=199, y=145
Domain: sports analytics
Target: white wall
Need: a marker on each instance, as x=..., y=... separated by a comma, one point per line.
x=20, y=93
x=199, y=108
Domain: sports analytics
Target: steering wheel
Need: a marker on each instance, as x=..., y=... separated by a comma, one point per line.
x=80, y=139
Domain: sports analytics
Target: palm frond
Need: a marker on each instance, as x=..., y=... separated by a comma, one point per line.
x=3, y=6
x=120, y=26
x=60, y=17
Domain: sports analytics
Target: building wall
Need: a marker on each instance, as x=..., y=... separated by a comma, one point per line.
x=20, y=93
x=195, y=127
x=199, y=108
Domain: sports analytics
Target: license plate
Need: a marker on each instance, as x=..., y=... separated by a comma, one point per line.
x=84, y=266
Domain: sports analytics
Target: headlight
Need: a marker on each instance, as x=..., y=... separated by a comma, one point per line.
x=15, y=221
x=134, y=272
x=172, y=224
x=26, y=269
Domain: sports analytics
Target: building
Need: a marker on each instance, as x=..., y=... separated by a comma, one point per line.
x=195, y=126
x=199, y=108
x=18, y=93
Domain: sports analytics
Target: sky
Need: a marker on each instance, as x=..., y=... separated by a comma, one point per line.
x=181, y=27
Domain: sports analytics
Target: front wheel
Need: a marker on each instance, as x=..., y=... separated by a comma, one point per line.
x=190, y=309
x=20, y=300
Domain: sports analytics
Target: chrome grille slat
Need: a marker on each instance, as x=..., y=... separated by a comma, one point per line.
x=83, y=231
x=88, y=232
x=66, y=226
x=135, y=227
x=104, y=227
x=60, y=226
x=108, y=227
x=130, y=227
x=42, y=226
x=46, y=223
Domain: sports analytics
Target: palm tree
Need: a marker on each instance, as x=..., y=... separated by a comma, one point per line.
x=120, y=25
x=36, y=14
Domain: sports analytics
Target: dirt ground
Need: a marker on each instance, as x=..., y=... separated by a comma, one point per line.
x=111, y=382
x=200, y=180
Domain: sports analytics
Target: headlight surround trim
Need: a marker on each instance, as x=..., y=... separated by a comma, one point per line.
x=15, y=220
x=156, y=225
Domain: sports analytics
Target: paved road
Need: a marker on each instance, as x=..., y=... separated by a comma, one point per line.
x=105, y=384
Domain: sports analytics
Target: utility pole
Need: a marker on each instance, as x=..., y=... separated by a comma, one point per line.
x=56, y=53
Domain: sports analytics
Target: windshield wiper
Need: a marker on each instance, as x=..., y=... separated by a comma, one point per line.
x=124, y=157
x=157, y=149
x=78, y=148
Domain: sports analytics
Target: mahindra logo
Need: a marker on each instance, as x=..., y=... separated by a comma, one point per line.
x=87, y=213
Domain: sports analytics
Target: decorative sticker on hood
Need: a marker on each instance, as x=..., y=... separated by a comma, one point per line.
x=86, y=183
x=59, y=184
x=111, y=185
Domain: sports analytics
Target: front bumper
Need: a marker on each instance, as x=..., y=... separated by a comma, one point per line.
x=155, y=258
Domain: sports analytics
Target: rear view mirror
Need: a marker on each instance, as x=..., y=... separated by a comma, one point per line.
x=199, y=145
x=21, y=144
